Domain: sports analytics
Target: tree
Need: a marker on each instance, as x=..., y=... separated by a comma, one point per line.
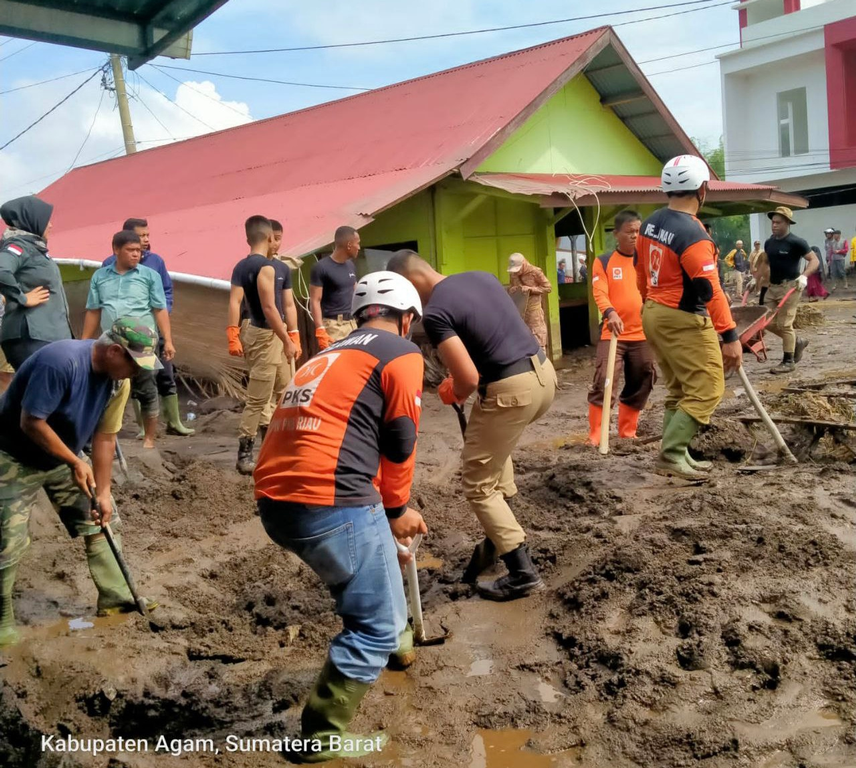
x=726, y=229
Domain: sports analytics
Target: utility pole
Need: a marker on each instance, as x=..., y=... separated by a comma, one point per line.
x=124, y=109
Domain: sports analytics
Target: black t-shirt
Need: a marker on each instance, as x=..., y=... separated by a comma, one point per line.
x=246, y=273
x=337, y=282
x=784, y=256
x=475, y=307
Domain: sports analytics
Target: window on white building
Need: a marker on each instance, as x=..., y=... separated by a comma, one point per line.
x=793, y=123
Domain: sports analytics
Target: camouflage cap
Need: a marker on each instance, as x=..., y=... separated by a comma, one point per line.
x=138, y=340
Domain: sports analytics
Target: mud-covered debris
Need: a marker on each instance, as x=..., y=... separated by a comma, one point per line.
x=808, y=317
x=809, y=405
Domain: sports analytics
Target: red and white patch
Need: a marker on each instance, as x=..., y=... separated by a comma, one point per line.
x=617, y=274
x=15, y=249
x=418, y=398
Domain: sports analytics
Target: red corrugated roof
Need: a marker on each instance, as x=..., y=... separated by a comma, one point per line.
x=337, y=163
x=586, y=189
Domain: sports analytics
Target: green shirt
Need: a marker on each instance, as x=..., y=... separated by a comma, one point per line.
x=133, y=294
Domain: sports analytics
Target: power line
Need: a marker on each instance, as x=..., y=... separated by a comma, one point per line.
x=260, y=79
x=146, y=106
x=91, y=125
x=175, y=103
x=530, y=25
x=20, y=50
x=43, y=82
x=201, y=93
x=55, y=106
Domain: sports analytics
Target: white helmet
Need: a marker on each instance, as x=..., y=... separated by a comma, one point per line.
x=684, y=173
x=386, y=289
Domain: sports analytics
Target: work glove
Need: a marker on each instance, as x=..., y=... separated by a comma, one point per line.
x=802, y=282
x=323, y=338
x=236, y=349
x=295, y=338
x=446, y=391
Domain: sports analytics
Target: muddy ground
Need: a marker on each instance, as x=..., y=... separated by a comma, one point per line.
x=683, y=625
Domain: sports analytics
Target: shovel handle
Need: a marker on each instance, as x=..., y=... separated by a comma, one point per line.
x=414, y=598
x=120, y=559
x=765, y=417
x=607, y=395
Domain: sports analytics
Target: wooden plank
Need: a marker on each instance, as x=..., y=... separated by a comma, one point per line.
x=794, y=420
x=821, y=392
x=822, y=385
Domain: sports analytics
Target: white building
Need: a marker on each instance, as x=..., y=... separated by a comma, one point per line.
x=789, y=102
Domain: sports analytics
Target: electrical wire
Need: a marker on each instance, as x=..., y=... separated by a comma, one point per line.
x=139, y=98
x=201, y=93
x=43, y=82
x=154, y=88
x=705, y=4
x=91, y=126
x=55, y=106
x=261, y=79
x=20, y=50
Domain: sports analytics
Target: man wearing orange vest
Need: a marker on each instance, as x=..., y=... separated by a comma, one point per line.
x=617, y=296
x=685, y=313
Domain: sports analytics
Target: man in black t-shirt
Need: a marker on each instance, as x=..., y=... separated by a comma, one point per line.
x=331, y=289
x=487, y=347
x=780, y=264
x=264, y=285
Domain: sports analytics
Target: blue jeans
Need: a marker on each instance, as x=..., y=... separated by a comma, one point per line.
x=352, y=551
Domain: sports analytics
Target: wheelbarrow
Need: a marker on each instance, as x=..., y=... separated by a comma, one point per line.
x=751, y=323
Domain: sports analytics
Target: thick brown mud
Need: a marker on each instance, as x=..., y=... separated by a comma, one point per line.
x=683, y=625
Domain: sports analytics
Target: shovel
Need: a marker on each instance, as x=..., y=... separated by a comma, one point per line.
x=781, y=445
x=414, y=598
x=120, y=559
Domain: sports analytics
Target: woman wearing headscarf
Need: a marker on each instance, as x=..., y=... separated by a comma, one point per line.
x=36, y=307
x=814, y=289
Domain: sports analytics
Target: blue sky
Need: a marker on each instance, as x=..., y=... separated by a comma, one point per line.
x=208, y=102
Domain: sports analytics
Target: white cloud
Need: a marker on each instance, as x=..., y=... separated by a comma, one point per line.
x=46, y=151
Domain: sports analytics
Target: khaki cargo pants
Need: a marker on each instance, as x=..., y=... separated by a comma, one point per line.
x=687, y=348
x=496, y=422
x=19, y=488
x=269, y=374
x=783, y=323
x=339, y=327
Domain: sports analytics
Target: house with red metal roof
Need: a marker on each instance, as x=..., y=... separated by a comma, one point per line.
x=465, y=166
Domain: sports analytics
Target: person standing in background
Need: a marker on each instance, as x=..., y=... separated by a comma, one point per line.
x=165, y=377
x=30, y=282
x=814, y=289
x=826, y=261
x=840, y=252
x=331, y=289
x=560, y=272
x=533, y=283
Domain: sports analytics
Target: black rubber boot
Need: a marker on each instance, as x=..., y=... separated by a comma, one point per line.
x=521, y=580
x=799, y=349
x=484, y=557
x=245, y=464
x=786, y=366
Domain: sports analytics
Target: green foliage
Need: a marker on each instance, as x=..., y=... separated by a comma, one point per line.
x=726, y=229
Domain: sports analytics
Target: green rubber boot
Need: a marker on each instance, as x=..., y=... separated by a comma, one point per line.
x=113, y=593
x=701, y=466
x=172, y=417
x=138, y=415
x=8, y=631
x=405, y=655
x=327, y=715
x=673, y=448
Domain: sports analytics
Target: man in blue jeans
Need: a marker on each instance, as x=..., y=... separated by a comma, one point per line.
x=333, y=486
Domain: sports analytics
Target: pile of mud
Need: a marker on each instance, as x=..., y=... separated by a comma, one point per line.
x=809, y=405
x=808, y=316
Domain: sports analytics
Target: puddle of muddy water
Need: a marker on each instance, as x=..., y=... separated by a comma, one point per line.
x=785, y=727
x=505, y=749
x=480, y=667
x=548, y=694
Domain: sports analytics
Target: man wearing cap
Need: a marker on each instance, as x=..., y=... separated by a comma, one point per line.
x=781, y=265
x=126, y=288
x=840, y=252
x=63, y=396
x=529, y=280
x=826, y=264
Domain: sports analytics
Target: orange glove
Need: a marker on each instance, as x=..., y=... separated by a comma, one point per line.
x=295, y=338
x=323, y=338
x=446, y=390
x=236, y=349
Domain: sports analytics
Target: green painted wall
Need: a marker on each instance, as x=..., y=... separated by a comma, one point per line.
x=573, y=133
